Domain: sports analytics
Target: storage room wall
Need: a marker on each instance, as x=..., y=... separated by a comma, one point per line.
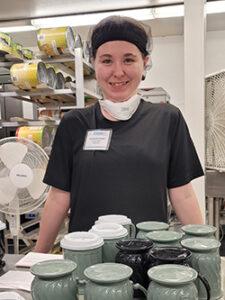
x=168, y=62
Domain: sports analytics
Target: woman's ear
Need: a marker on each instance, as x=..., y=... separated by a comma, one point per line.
x=147, y=66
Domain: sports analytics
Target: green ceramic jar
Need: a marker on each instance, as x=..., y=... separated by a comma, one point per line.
x=84, y=248
x=109, y=281
x=119, y=219
x=165, y=238
x=111, y=234
x=148, y=226
x=172, y=282
x=54, y=280
x=201, y=230
x=205, y=259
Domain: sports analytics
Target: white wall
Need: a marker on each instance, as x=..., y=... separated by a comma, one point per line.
x=168, y=63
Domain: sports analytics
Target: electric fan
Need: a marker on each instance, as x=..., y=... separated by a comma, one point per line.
x=215, y=121
x=22, y=167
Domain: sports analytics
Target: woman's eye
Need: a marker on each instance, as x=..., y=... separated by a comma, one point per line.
x=129, y=60
x=106, y=61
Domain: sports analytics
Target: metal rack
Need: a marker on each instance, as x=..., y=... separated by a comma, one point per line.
x=75, y=98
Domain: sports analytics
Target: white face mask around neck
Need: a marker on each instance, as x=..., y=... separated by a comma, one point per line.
x=121, y=110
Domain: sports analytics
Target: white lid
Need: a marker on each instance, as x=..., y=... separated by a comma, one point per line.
x=109, y=230
x=119, y=219
x=2, y=225
x=81, y=240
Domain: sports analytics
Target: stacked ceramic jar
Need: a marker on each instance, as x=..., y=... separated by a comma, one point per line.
x=161, y=263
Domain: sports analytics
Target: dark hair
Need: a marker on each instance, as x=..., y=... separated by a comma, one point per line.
x=119, y=28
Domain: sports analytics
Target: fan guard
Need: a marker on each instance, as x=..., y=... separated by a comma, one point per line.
x=215, y=121
x=22, y=168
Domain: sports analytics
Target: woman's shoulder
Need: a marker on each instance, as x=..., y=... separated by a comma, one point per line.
x=163, y=109
x=77, y=113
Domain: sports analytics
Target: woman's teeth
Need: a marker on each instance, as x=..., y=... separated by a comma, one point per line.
x=118, y=83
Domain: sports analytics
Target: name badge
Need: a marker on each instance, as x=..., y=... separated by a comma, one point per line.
x=98, y=139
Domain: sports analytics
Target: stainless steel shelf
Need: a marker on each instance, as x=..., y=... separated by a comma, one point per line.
x=28, y=123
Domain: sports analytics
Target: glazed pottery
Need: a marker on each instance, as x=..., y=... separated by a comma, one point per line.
x=119, y=219
x=165, y=238
x=109, y=281
x=134, y=253
x=145, y=227
x=54, y=280
x=172, y=282
x=84, y=248
x=205, y=259
x=169, y=255
x=193, y=230
x=111, y=233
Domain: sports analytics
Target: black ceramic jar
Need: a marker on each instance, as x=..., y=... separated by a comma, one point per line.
x=135, y=254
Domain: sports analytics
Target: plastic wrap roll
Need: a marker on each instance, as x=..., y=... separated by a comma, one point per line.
x=52, y=78
x=56, y=41
x=60, y=81
x=29, y=75
x=42, y=135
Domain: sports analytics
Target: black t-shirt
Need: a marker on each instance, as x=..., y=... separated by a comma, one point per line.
x=148, y=154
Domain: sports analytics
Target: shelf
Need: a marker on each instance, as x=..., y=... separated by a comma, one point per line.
x=66, y=62
x=28, y=123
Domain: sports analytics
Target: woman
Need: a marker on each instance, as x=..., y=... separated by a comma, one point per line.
x=122, y=155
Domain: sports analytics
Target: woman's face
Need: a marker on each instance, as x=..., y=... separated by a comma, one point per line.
x=119, y=66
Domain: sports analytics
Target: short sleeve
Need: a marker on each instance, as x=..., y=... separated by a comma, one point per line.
x=184, y=164
x=59, y=169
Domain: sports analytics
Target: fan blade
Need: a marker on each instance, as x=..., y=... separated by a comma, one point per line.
x=12, y=153
x=37, y=187
x=7, y=190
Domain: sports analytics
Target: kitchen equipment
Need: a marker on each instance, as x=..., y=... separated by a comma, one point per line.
x=145, y=227
x=56, y=41
x=135, y=254
x=119, y=219
x=165, y=238
x=54, y=280
x=109, y=281
x=84, y=248
x=111, y=233
x=29, y=75
x=201, y=230
x=205, y=259
x=22, y=167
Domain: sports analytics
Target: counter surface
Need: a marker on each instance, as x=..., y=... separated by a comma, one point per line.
x=11, y=259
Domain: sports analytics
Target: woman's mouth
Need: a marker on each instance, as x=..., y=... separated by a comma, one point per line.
x=119, y=83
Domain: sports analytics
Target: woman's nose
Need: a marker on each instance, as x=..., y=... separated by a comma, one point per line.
x=118, y=70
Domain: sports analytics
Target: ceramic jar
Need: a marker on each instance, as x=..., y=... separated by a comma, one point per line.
x=205, y=259
x=145, y=227
x=111, y=234
x=119, y=219
x=165, y=238
x=193, y=230
x=169, y=255
x=172, y=282
x=135, y=254
x=109, y=281
x=84, y=248
x=54, y=280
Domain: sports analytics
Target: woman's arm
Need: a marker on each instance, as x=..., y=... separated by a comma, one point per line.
x=185, y=204
x=54, y=213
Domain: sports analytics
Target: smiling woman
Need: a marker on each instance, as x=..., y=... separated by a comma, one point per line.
x=122, y=155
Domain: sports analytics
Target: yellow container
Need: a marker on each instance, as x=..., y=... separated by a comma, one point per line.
x=29, y=75
x=42, y=135
x=56, y=41
x=5, y=43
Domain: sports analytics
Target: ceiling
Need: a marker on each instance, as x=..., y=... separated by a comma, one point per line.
x=27, y=9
